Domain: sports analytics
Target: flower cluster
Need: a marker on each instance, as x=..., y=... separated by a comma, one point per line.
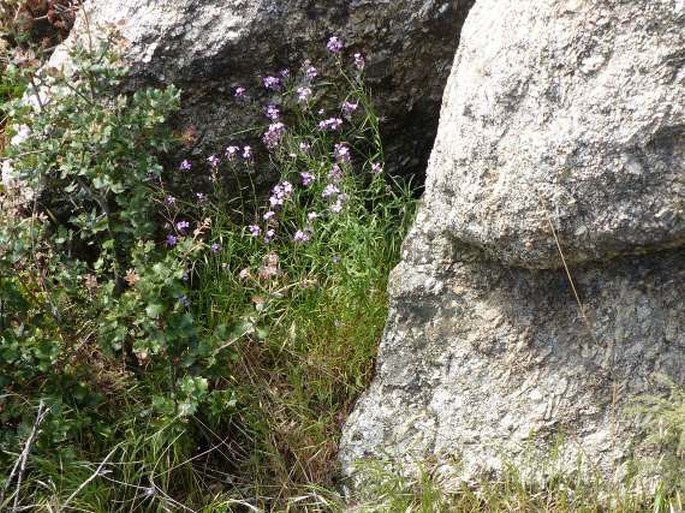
x=330, y=190
x=304, y=93
x=348, y=108
x=359, y=61
x=302, y=236
x=213, y=161
x=182, y=227
x=310, y=71
x=342, y=153
x=272, y=83
x=231, y=152
x=280, y=193
x=307, y=178
x=337, y=207
x=335, y=174
x=330, y=124
x=171, y=240
x=269, y=235
x=273, y=135
x=335, y=44
x=272, y=112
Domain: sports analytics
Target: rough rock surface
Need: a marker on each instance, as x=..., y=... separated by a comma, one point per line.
x=209, y=47
x=568, y=118
x=571, y=112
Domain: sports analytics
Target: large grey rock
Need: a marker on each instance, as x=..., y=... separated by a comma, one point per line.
x=207, y=48
x=566, y=115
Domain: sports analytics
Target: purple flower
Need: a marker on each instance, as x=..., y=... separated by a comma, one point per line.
x=342, y=153
x=272, y=83
x=311, y=216
x=254, y=230
x=247, y=153
x=244, y=274
x=285, y=73
x=280, y=193
x=301, y=236
x=334, y=45
x=216, y=247
x=337, y=207
x=359, y=61
x=231, y=152
x=348, y=108
x=201, y=197
x=171, y=240
x=309, y=70
x=271, y=112
x=186, y=165
x=239, y=92
x=330, y=124
x=269, y=235
x=376, y=168
x=268, y=215
x=335, y=174
x=272, y=136
x=213, y=160
x=330, y=190
x=305, y=147
x=170, y=201
x=183, y=299
x=182, y=226
x=303, y=94
x=307, y=178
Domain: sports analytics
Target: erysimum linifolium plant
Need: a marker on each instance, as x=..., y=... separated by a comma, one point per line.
x=332, y=204
x=297, y=269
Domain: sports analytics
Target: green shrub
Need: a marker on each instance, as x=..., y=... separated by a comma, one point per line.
x=77, y=217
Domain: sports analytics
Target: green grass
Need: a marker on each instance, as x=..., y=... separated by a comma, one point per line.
x=439, y=489
x=311, y=335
